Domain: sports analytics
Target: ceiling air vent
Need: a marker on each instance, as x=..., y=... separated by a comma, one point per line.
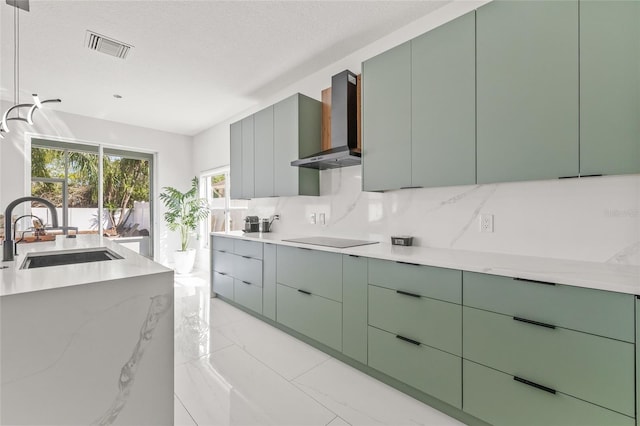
x=107, y=45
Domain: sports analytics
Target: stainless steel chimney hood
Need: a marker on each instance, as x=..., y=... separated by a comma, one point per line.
x=344, y=127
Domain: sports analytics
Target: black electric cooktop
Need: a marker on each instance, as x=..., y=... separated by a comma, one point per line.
x=331, y=242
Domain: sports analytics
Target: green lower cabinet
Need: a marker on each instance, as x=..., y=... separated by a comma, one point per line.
x=247, y=295
x=312, y=315
x=354, y=307
x=637, y=360
x=592, y=368
x=499, y=399
x=429, y=370
x=269, y=282
x=223, y=285
x=222, y=262
x=431, y=322
x=316, y=271
x=247, y=269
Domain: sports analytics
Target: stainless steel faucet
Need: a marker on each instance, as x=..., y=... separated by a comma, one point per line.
x=7, y=252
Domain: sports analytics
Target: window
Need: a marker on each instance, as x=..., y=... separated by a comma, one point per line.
x=226, y=214
x=68, y=175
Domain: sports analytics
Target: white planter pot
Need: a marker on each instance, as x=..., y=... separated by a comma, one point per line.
x=184, y=260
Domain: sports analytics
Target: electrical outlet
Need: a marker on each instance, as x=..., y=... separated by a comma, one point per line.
x=321, y=217
x=312, y=218
x=486, y=222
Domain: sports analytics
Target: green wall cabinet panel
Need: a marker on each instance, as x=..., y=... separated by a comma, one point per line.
x=386, y=120
x=598, y=312
x=443, y=114
x=247, y=295
x=429, y=370
x=263, y=151
x=269, y=282
x=235, y=169
x=297, y=133
x=609, y=87
x=247, y=183
x=223, y=284
x=431, y=322
x=592, y=368
x=428, y=281
x=316, y=271
x=354, y=307
x=314, y=316
x=497, y=398
x=527, y=90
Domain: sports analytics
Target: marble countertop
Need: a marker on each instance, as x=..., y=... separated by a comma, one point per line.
x=601, y=276
x=17, y=281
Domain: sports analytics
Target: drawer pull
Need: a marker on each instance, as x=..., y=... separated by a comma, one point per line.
x=222, y=273
x=353, y=255
x=246, y=257
x=222, y=251
x=407, y=263
x=534, y=281
x=246, y=282
x=541, y=324
x=305, y=292
x=535, y=385
x=304, y=248
x=406, y=339
x=406, y=293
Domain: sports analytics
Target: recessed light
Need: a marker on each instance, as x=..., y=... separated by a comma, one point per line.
x=117, y=96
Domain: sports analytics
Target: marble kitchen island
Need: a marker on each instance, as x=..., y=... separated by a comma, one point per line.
x=87, y=343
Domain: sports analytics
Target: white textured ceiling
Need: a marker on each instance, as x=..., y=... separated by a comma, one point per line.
x=194, y=63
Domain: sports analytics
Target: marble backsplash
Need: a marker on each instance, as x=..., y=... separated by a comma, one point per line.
x=592, y=219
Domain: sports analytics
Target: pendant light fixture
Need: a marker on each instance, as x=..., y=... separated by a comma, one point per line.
x=37, y=103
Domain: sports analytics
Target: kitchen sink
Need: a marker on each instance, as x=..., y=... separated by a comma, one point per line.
x=68, y=257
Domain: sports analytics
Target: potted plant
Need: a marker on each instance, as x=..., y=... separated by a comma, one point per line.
x=184, y=213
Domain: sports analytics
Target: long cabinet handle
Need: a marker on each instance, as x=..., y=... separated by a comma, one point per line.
x=406, y=293
x=305, y=292
x=535, y=385
x=246, y=282
x=538, y=323
x=406, y=339
x=408, y=263
x=534, y=281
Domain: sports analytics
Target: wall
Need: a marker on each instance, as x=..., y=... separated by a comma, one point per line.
x=592, y=219
x=173, y=159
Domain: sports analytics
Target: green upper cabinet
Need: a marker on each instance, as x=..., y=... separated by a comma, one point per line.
x=263, y=151
x=527, y=90
x=386, y=120
x=297, y=133
x=235, y=170
x=443, y=115
x=264, y=144
x=247, y=184
x=609, y=87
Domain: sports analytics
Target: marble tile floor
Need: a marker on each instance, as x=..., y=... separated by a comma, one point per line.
x=233, y=369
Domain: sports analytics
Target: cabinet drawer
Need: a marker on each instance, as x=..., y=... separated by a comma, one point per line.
x=428, y=281
x=248, y=248
x=593, y=311
x=318, y=272
x=593, y=368
x=223, y=285
x=498, y=399
x=223, y=244
x=247, y=269
x=248, y=295
x=429, y=370
x=223, y=262
x=431, y=322
x=311, y=315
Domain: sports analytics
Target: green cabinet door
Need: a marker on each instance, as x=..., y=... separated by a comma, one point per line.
x=386, y=120
x=235, y=150
x=269, y=281
x=609, y=87
x=637, y=360
x=247, y=158
x=527, y=90
x=263, y=152
x=354, y=307
x=443, y=114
